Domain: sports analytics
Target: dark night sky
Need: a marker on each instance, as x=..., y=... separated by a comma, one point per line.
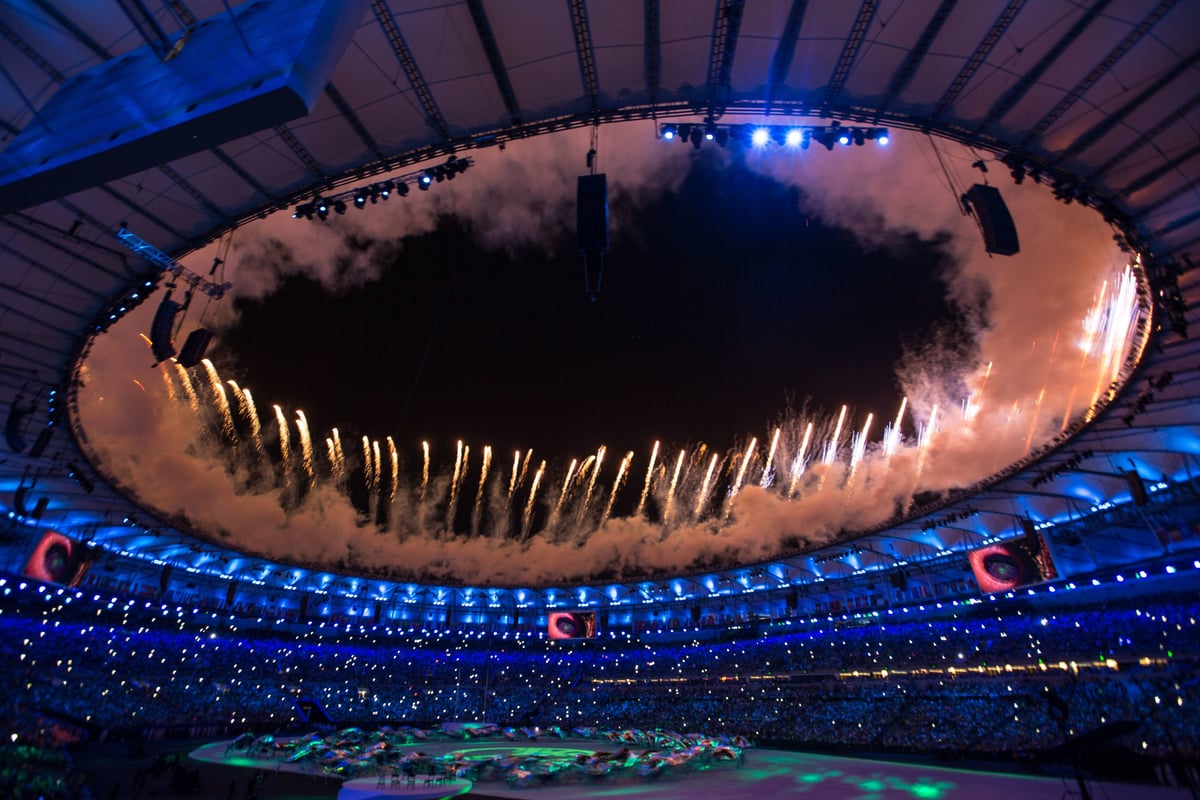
x=719, y=304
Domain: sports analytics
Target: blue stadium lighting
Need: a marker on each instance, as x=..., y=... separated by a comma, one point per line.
x=794, y=137
x=760, y=137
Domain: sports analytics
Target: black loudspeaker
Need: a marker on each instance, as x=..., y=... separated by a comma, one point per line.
x=40, y=443
x=303, y=607
x=1137, y=489
x=999, y=231
x=164, y=580
x=1027, y=526
x=161, y=332
x=194, y=347
x=230, y=594
x=12, y=427
x=899, y=580
x=378, y=613
x=695, y=615
x=592, y=214
x=39, y=508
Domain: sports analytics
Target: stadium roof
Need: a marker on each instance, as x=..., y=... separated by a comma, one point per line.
x=1098, y=98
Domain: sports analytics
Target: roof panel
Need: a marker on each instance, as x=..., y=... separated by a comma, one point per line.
x=687, y=29
x=618, y=40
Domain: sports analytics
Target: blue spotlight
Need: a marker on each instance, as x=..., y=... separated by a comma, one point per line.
x=668, y=132
x=760, y=137
x=883, y=139
x=844, y=138
x=793, y=138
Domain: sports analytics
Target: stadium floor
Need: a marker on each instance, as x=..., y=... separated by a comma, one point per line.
x=767, y=775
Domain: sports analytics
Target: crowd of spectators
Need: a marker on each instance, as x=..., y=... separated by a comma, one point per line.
x=1008, y=678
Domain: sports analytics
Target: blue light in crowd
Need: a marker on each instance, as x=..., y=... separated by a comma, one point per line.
x=760, y=137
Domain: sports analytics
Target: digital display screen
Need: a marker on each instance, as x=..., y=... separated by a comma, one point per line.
x=572, y=625
x=57, y=559
x=1012, y=564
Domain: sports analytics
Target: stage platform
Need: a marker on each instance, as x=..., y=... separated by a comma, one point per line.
x=766, y=775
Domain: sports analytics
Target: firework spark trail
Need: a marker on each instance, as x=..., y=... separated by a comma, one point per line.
x=185, y=380
x=170, y=385
x=892, y=434
x=741, y=476
x=537, y=479
x=704, y=487
x=924, y=439
x=214, y=381
x=674, y=482
x=767, y=476
x=368, y=466
x=255, y=423
x=377, y=469
x=477, y=513
x=587, y=498
x=831, y=447
x=424, y=470
x=306, y=447
x=617, y=484
x=562, y=496
x=454, y=481
x=339, y=456
x=858, y=449
x=1118, y=323
x=649, y=476
x=395, y=458
x=512, y=484
x=331, y=451
x=524, y=467
x=799, y=463
x=285, y=454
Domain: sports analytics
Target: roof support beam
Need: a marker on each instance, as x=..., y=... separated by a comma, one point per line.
x=913, y=60
x=192, y=191
x=1142, y=181
x=583, y=49
x=785, y=51
x=433, y=115
x=726, y=25
x=981, y=53
x=1146, y=138
x=1033, y=75
x=140, y=208
x=40, y=267
x=348, y=114
x=33, y=55
x=237, y=169
x=1099, y=70
x=854, y=41
x=50, y=10
x=1115, y=118
x=492, y=50
x=306, y=158
x=147, y=26
x=653, y=49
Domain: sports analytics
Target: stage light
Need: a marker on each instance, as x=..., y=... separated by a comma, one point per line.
x=360, y=199
x=339, y=207
x=424, y=181
x=844, y=138
x=883, y=139
x=722, y=137
x=685, y=132
x=385, y=189
x=760, y=137
x=668, y=132
x=710, y=133
x=859, y=136
x=793, y=137
x=402, y=189
x=695, y=138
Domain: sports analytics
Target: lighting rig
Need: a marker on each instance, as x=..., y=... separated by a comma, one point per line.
x=320, y=206
x=801, y=136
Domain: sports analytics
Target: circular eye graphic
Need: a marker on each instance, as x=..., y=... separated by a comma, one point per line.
x=571, y=625
x=566, y=625
x=53, y=560
x=1002, y=567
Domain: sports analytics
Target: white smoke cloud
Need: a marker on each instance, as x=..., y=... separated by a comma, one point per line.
x=1028, y=330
